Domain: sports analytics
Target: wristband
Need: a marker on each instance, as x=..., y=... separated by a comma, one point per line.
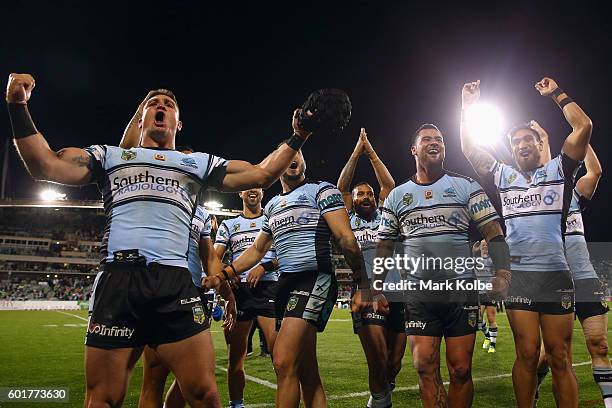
x=564, y=101
x=21, y=121
x=296, y=142
x=227, y=278
x=554, y=94
x=233, y=270
x=499, y=252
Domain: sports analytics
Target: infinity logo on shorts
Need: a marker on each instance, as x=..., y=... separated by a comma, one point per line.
x=113, y=331
x=416, y=324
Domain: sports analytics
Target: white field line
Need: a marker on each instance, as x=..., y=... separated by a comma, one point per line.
x=73, y=315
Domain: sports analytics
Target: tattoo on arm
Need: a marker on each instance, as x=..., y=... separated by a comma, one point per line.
x=82, y=161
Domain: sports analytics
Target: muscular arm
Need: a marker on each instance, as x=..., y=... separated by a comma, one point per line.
x=385, y=180
x=345, y=179
x=72, y=166
x=254, y=253
x=131, y=134
x=587, y=184
x=338, y=223
x=209, y=256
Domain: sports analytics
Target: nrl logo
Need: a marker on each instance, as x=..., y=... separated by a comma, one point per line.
x=236, y=227
x=198, y=314
x=128, y=155
x=292, y=303
x=407, y=199
x=566, y=301
x=511, y=178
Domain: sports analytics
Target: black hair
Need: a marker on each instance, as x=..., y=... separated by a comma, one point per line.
x=361, y=183
x=183, y=148
x=522, y=126
x=422, y=127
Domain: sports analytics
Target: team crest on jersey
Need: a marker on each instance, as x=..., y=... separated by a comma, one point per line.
x=303, y=197
x=283, y=203
x=198, y=314
x=128, y=155
x=428, y=194
x=160, y=157
x=511, y=178
x=236, y=227
x=292, y=303
x=566, y=301
x=472, y=319
x=539, y=176
x=188, y=161
x=407, y=199
x=450, y=192
x=253, y=225
x=357, y=222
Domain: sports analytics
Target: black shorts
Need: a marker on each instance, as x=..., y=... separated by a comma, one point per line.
x=394, y=321
x=135, y=305
x=549, y=292
x=257, y=301
x=485, y=300
x=307, y=295
x=456, y=316
x=590, y=298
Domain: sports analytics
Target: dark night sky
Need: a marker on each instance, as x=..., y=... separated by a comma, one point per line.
x=238, y=72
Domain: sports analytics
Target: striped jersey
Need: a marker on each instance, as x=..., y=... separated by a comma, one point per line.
x=150, y=198
x=237, y=234
x=534, y=206
x=300, y=233
x=201, y=227
x=576, y=251
x=432, y=220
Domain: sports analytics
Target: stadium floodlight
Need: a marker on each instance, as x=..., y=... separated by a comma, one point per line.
x=215, y=205
x=484, y=122
x=52, y=195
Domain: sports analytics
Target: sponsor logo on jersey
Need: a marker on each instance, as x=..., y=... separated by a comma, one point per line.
x=428, y=194
x=566, y=301
x=244, y=241
x=423, y=220
x=159, y=156
x=551, y=196
x=145, y=178
x=292, y=303
x=407, y=199
x=198, y=314
x=188, y=161
x=128, y=155
x=450, y=192
x=455, y=218
x=330, y=200
x=481, y=205
x=511, y=178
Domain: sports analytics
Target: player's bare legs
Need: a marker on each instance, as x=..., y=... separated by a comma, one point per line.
x=153, y=380
x=107, y=373
x=426, y=361
x=396, y=344
x=236, y=340
x=374, y=344
x=557, y=335
x=526, y=331
x=174, y=397
x=268, y=326
x=595, y=330
x=192, y=361
x=294, y=337
x=313, y=393
x=459, y=352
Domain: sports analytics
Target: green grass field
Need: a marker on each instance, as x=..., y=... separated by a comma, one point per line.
x=45, y=349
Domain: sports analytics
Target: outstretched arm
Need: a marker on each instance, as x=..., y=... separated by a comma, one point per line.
x=348, y=171
x=241, y=175
x=587, y=184
x=575, y=145
x=384, y=178
x=67, y=166
x=478, y=157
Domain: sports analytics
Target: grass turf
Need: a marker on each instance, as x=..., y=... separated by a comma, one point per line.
x=45, y=349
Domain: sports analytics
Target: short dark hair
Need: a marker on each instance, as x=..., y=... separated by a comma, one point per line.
x=361, y=183
x=162, y=91
x=422, y=127
x=184, y=147
x=522, y=126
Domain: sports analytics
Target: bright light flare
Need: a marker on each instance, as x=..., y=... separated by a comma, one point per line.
x=484, y=122
x=52, y=195
x=215, y=205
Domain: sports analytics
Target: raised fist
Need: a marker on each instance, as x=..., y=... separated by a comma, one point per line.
x=539, y=129
x=470, y=93
x=546, y=86
x=19, y=88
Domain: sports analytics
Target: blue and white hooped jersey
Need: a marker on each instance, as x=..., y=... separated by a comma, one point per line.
x=201, y=227
x=432, y=221
x=295, y=221
x=150, y=198
x=534, y=207
x=576, y=250
x=237, y=234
